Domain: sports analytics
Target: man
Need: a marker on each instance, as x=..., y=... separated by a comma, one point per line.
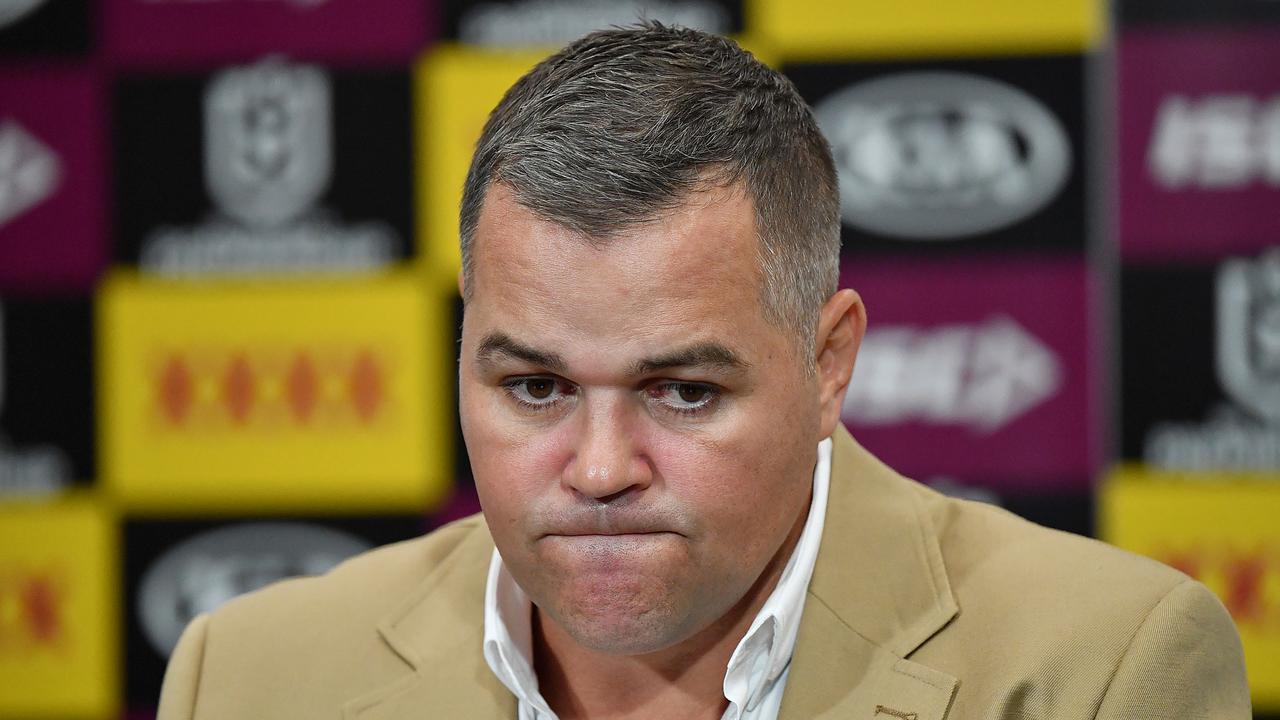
x=654, y=356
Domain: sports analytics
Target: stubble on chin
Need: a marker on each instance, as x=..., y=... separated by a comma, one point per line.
x=619, y=626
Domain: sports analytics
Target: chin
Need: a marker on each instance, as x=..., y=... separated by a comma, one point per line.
x=622, y=635
x=630, y=618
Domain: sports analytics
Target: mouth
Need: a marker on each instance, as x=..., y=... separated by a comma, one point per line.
x=612, y=546
x=611, y=534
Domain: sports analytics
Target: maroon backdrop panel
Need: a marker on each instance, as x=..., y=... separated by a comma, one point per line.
x=51, y=194
x=1199, y=142
x=977, y=370
x=207, y=31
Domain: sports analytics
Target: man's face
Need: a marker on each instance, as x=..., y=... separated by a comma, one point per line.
x=642, y=439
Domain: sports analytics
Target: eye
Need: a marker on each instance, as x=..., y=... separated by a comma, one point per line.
x=537, y=392
x=685, y=397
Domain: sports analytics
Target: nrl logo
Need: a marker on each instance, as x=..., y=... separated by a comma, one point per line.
x=268, y=159
x=268, y=147
x=1242, y=433
x=1248, y=342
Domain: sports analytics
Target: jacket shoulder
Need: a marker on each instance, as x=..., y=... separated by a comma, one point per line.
x=1047, y=617
x=983, y=543
x=364, y=587
x=307, y=645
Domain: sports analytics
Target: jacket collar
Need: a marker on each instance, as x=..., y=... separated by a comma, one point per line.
x=438, y=633
x=879, y=590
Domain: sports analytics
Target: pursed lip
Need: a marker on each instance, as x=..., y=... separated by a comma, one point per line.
x=615, y=525
x=618, y=533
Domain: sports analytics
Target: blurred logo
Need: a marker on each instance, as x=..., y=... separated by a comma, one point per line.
x=213, y=387
x=29, y=171
x=268, y=141
x=1217, y=528
x=556, y=22
x=202, y=573
x=942, y=155
x=273, y=395
x=268, y=160
x=954, y=488
x=1248, y=347
x=1244, y=579
x=32, y=608
x=1243, y=433
x=982, y=376
x=39, y=470
x=11, y=11
x=1216, y=142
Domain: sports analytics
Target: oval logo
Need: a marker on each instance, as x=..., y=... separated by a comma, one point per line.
x=11, y=11
x=942, y=155
x=205, y=571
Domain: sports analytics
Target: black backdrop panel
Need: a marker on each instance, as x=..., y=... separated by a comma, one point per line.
x=1198, y=13
x=160, y=155
x=931, y=133
x=210, y=559
x=46, y=392
x=1200, y=365
x=51, y=28
x=1166, y=347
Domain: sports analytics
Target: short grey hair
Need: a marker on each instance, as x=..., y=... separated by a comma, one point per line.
x=624, y=124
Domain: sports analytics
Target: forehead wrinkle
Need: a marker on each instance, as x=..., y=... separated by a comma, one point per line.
x=641, y=293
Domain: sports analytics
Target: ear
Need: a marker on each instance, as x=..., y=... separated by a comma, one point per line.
x=841, y=325
x=462, y=285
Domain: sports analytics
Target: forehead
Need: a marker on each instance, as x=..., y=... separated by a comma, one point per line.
x=693, y=270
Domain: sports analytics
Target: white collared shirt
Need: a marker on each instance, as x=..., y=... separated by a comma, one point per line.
x=757, y=672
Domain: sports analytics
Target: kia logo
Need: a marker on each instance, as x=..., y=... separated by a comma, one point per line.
x=205, y=571
x=942, y=155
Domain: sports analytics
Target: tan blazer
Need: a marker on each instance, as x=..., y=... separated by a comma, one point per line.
x=921, y=607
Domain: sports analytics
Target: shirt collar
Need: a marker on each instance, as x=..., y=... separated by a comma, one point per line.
x=508, y=635
x=757, y=662
x=769, y=642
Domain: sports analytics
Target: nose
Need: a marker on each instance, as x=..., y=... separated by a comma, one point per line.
x=608, y=464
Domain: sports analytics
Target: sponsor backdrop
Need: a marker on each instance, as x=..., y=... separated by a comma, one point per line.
x=1196, y=307
x=228, y=310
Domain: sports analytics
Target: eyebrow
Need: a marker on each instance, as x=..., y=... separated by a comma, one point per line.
x=498, y=344
x=707, y=355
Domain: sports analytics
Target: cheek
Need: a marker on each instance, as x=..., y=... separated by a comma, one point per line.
x=513, y=462
x=741, y=486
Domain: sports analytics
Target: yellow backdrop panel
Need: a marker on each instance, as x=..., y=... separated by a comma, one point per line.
x=456, y=88
x=58, y=610
x=317, y=395
x=1225, y=532
x=820, y=29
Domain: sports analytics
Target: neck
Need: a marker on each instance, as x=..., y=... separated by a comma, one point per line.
x=685, y=680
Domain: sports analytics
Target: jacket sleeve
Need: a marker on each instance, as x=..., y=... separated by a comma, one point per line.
x=182, y=678
x=1185, y=661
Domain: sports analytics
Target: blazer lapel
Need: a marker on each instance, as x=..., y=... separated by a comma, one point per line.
x=438, y=632
x=879, y=590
